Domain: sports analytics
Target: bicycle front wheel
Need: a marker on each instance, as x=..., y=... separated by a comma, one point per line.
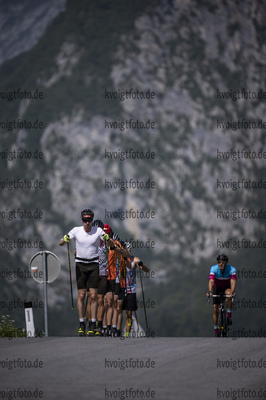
x=221, y=322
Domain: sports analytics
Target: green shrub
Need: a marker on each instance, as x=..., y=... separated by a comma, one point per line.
x=9, y=329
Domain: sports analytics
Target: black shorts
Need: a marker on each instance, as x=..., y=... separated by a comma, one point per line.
x=113, y=287
x=102, y=286
x=110, y=285
x=130, y=302
x=122, y=294
x=117, y=289
x=87, y=277
x=217, y=290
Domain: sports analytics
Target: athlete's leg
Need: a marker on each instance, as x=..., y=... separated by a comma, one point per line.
x=109, y=313
x=93, y=285
x=228, y=299
x=104, y=330
x=216, y=302
x=119, y=314
x=128, y=322
x=100, y=310
x=94, y=303
x=115, y=313
x=215, y=314
x=89, y=306
x=229, y=306
x=81, y=302
x=102, y=289
x=105, y=311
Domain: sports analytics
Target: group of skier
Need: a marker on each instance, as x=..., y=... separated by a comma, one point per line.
x=105, y=275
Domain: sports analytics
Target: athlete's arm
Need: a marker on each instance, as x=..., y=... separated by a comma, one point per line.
x=138, y=263
x=211, y=283
x=233, y=285
x=125, y=253
x=211, y=279
x=105, y=238
x=121, y=251
x=233, y=279
x=64, y=240
x=127, y=262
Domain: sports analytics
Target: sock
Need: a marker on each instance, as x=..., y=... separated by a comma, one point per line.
x=81, y=320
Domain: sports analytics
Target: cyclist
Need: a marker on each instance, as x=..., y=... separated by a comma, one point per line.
x=88, y=239
x=222, y=280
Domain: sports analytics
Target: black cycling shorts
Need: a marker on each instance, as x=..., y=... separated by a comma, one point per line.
x=110, y=285
x=117, y=289
x=122, y=294
x=102, y=285
x=130, y=302
x=87, y=276
x=217, y=290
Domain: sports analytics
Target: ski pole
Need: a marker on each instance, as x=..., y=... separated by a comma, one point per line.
x=144, y=302
x=70, y=275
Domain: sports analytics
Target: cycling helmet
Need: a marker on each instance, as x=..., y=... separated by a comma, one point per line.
x=87, y=215
x=222, y=257
x=98, y=222
x=116, y=237
x=107, y=229
x=129, y=246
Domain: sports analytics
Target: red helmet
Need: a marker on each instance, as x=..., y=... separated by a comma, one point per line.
x=107, y=228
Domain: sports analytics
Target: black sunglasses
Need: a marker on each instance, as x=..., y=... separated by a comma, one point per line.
x=87, y=219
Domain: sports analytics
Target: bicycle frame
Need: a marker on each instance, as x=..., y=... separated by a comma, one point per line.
x=222, y=317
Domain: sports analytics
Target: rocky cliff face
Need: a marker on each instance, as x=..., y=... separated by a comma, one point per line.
x=23, y=23
x=196, y=57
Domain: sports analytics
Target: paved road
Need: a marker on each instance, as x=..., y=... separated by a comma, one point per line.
x=92, y=368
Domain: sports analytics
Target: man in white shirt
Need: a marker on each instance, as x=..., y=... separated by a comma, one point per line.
x=88, y=239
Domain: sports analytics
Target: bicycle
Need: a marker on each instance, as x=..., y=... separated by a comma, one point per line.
x=222, y=315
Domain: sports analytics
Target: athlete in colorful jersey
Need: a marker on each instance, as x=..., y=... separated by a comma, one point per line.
x=121, y=282
x=130, y=303
x=88, y=238
x=115, y=264
x=102, y=285
x=222, y=280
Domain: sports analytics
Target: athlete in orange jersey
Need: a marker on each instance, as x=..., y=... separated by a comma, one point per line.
x=116, y=252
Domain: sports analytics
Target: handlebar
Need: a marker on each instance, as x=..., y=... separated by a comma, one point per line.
x=221, y=295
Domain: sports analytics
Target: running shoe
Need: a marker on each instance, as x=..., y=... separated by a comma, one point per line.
x=98, y=331
x=82, y=329
x=91, y=329
x=114, y=332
